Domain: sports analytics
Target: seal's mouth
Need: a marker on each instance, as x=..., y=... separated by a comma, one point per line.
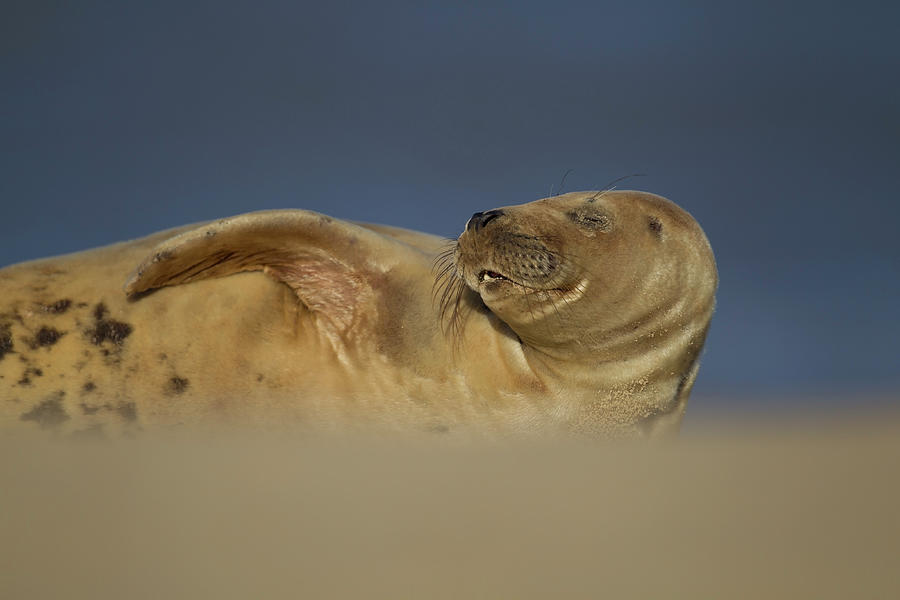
x=488, y=276
x=491, y=282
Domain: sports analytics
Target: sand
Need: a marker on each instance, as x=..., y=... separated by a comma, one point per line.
x=795, y=511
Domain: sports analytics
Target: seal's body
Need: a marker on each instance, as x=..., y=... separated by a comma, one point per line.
x=578, y=313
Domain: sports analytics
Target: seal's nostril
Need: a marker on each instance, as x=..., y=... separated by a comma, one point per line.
x=490, y=216
x=474, y=222
x=480, y=219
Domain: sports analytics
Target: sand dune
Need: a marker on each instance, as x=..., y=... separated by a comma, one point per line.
x=725, y=512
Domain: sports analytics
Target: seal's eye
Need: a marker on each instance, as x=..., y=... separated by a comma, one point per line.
x=591, y=218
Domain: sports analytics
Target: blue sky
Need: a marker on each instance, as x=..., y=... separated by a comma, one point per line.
x=775, y=124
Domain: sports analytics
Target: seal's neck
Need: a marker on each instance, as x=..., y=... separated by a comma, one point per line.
x=649, y=351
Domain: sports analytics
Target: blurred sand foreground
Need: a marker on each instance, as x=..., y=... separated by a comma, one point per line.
x=755, y=512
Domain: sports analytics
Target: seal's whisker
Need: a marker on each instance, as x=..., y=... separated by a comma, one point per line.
x=530, y=308
x=447, y=292
x=447, y=295
x=612, y=185
x=562, y=184
x=446, y=254
x=444, y=275
x=451, y=314
x=457, y=310
x=560, y=319
x=447, y=300
x=568, y=309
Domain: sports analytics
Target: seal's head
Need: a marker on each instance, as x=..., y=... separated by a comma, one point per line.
x=591, y=274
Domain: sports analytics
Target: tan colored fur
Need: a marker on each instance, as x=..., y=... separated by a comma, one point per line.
x=293, y=319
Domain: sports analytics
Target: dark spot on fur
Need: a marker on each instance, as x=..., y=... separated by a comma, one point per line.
x=177, y=385
x=58, y=307
x=88, y=387
x=107, y=330
x=82, y=305
x=259, y=377
x=100, y=311
x=48, y=413
x=47, y=336
x=655, y=226
x=439, y=428
x=6, y=341
x=113, y=331
x=28, y=374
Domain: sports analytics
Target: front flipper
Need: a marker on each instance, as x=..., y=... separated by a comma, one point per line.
x=333, y=266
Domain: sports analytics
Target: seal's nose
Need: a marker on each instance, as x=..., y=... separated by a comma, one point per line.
x=480, y=219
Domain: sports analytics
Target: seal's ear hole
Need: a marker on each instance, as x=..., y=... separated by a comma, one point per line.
x=592, y=218
x=655, y=225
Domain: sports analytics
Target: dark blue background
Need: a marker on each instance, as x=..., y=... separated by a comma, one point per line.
x=777, y=125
